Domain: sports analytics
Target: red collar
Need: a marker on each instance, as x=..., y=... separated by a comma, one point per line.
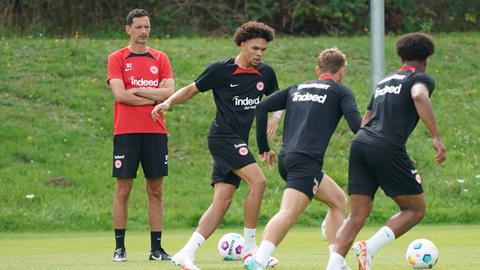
x=327, y=76
x=411, y=68
x=253, y=70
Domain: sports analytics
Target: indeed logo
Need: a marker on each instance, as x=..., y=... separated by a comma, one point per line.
x=309, y=97
x=245, y=101
x=143, y=83
x=388, y=89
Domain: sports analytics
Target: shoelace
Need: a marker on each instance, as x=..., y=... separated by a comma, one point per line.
x=363, y=255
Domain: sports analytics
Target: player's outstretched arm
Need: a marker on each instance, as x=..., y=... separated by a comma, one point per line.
x=350, y=111
x=266, y=154
x=273, y=123
x=121, y=95
x=273, y=103
x=261, y=118
x=424, y=109
x=180, y=96
x=165, y=90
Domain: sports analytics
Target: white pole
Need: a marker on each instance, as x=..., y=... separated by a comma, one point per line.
x=377, y=27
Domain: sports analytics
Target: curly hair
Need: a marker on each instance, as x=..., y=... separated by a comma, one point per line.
x=136, y=13
x=331, y=60
x=415, y=46
x=251, y=30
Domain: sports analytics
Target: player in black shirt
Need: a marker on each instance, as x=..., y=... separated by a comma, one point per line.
x=238, y=85
x=378, y=157
x=313, y=110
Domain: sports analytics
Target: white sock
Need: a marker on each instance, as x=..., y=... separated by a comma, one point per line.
x=264, y=253
x=249, y=235
x=331, y=248
x=335, y=262
x=195, y=241
x=384, y=236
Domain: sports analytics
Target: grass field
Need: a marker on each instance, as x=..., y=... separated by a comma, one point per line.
x=303, y=248
x=56, y=131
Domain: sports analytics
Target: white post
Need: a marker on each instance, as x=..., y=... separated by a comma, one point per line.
x=377, y=28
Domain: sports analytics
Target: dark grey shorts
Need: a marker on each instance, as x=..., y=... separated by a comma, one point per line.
x=300, y=172
x=149, y=149
x=371, y=167
x=228, y=154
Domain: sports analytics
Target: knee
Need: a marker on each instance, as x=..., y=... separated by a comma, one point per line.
x=357, y=220
x=289, y=217
x=223, y=201
x=340, y=204
x=416, y=212
x=419, y=214
x=343, y=202
x=258, y=185
x=123, y=191
x=155, y=192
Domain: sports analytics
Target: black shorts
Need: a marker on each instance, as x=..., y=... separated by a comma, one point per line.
x=301, y=172
x=228, y=154
x=371, y=167
x=149, y=149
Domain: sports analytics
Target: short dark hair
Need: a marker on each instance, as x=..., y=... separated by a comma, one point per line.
x=251, y=30
x=415, y=46
x=331, y=60
x=138, y=12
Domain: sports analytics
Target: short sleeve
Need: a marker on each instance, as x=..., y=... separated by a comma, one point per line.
x=209, y=78
x=114, y=67
x=165, y=67
x=426, y=79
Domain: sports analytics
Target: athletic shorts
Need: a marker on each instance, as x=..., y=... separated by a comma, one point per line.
x=149, y=149
x=300, y=172
x=371, y=167
x=228, y=154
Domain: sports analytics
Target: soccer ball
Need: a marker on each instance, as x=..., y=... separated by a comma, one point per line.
x=422, y=254
x=230, y=247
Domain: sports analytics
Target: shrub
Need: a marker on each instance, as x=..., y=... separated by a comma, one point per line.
x=102, y=18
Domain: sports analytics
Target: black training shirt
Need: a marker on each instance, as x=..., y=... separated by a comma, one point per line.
x=236, y=92
x=394, y=115
x=312, y=112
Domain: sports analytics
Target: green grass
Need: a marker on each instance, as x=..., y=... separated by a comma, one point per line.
x=302, y=249
x=56, y=121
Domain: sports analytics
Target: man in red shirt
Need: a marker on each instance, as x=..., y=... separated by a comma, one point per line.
x=139, y=77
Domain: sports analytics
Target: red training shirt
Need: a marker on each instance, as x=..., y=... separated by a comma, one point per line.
x=145, y=70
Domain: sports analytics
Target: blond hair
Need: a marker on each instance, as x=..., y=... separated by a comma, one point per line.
x=331, y=60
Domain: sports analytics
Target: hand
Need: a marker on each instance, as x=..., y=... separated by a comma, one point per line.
x=272, y=126
x=162, y=107
x=268, y=157
x=441, y=155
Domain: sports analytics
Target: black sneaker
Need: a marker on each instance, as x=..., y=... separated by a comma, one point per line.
x=159, y=255
x=120, y=255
